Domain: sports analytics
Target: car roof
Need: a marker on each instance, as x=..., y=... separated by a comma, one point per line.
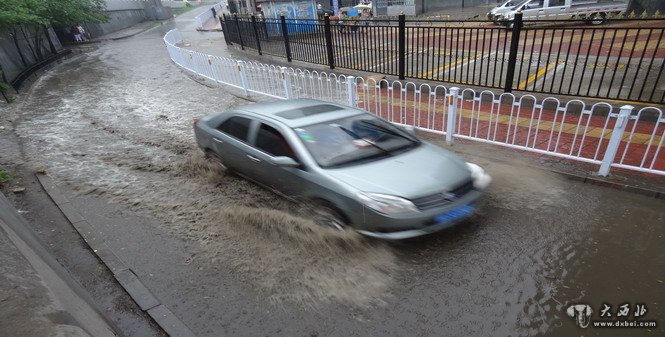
x=301, y=112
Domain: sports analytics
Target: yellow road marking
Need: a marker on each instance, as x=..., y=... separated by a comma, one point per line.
x=391, y=58
x=382, y=61
x=444, y=67
x=535, y=76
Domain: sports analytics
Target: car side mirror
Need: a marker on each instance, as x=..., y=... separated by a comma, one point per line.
x=284, y=161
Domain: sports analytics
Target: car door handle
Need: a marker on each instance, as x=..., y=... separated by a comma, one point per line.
x=253, y=158
x=217, y=140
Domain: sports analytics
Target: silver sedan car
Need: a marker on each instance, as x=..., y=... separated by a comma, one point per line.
x=356, y=169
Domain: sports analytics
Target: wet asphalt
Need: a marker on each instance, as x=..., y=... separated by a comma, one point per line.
x=229, y=258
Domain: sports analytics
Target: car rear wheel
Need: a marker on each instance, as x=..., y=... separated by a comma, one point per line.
x=325, y=216
x=210, y=155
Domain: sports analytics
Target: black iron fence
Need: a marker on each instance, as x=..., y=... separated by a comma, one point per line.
x=621, y=59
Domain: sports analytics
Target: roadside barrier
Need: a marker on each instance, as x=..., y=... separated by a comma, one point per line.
x=551, y=57
x=202, y=18
x=600, y=134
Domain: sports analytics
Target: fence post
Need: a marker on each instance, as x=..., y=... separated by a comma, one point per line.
x=351, y=90
x=285, y=34
x=452, y=113
x=286, y=80
x=243, y=76
x=617, y=134
x=256, y=34
x=222, y=22
x=512, y=57
x=242, y=45
x=329, y=46
x=402, y=45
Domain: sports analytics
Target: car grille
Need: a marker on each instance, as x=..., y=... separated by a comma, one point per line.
x=442, y=198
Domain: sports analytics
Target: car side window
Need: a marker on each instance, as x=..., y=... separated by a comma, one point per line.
x=271, y=141
x=534, y=4
x=236, y=126
x=554, y=3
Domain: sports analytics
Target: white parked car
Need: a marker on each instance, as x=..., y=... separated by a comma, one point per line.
x=595, y=11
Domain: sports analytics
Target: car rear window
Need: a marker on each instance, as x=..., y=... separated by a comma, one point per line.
x=307, y=111
x=236, y=126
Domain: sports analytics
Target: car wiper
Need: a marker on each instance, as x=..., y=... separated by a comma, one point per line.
x=356, y=136
x=358, y=160
x=387, y=130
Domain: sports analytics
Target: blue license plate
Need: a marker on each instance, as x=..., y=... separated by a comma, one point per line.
x=454, y=214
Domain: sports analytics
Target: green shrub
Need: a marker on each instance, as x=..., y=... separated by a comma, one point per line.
x=5, y=176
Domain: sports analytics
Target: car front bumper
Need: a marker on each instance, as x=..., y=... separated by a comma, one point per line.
x=392, y=228
x=411, y=233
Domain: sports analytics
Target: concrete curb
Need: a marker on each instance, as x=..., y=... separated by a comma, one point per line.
x=131, y=35
x=583, y=177
x=209, y=30
x=76, y=299
x=593, y=180
x=122, y=273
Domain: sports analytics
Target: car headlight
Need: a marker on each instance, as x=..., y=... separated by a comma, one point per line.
x=480, y=179
x=387, y=204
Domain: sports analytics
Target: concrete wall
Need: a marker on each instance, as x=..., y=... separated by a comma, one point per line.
x=398, y=9
x=126, y=13
x=173, y=4
x=120, y=5
x=395, y=7
x=118, y=20
x=9, y=56
x=433, y=5
x=416, y=7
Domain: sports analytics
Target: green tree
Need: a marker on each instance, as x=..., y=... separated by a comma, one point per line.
x=64, y=13
x=39, y=15
x=14, y=14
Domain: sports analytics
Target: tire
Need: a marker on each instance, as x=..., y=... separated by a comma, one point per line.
x=596, y=19
x=326, y=216
x=214, y=157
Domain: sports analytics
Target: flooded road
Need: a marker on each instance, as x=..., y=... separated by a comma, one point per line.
x=115, y=127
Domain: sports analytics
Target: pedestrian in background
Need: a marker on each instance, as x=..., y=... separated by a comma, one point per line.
x=81, y=33
x=77, y=34
x=365, y=16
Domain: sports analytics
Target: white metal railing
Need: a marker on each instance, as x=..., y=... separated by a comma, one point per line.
x=598, y=134
x=202, y=18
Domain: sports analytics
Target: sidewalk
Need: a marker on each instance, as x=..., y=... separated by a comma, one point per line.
x=38, y=296
x=569, y=133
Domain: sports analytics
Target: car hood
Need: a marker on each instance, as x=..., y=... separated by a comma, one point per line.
x=424, y=170
x=500, y=10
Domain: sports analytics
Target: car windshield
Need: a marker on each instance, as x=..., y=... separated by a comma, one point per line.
x=353, y=140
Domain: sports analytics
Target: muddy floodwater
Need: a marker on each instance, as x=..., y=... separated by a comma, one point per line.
x=115, y=125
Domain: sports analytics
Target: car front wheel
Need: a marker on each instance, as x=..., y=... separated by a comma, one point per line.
x=327, y=217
